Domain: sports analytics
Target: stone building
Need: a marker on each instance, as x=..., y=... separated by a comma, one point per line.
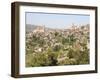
x=39, y=29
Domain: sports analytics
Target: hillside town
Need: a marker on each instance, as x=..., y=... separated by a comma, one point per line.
x=51, y=47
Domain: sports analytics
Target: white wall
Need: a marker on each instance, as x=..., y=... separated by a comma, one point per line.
x=5, y=40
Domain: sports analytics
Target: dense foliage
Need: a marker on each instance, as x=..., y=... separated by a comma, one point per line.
x=58, y=47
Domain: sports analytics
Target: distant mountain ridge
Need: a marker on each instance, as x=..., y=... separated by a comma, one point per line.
x=30, y=28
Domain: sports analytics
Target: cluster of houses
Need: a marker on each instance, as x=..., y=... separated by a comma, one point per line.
x=51, y=40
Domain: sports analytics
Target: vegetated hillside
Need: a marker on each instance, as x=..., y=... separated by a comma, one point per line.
x=52, y=47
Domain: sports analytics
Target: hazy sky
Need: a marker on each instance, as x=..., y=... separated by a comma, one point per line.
x=56, y=20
